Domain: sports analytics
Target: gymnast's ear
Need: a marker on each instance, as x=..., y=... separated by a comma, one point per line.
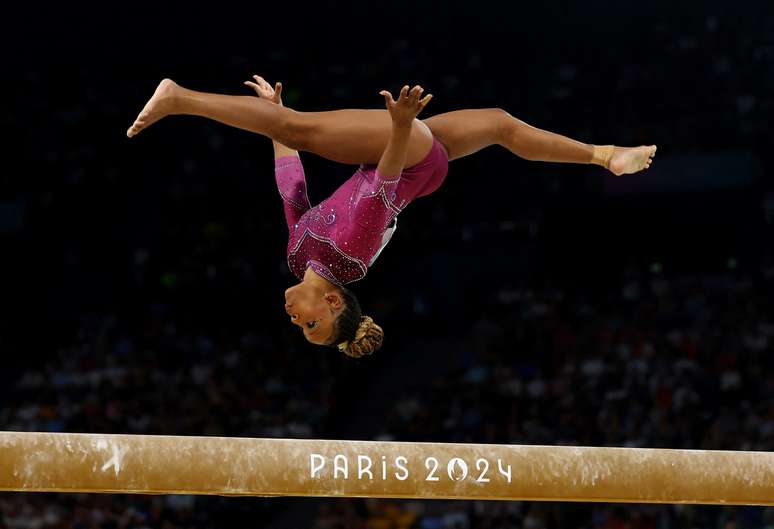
x=334, y=300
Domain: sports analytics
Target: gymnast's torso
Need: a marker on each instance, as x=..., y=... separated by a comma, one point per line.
x=343, y=235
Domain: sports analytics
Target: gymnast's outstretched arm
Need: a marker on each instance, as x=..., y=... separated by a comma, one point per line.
x=402, y=112
x=266, y=92
x=288, y=170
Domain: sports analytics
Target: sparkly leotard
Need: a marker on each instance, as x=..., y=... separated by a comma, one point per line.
x=343, y=235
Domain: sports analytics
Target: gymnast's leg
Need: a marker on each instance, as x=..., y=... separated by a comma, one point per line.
x=344, y=136
x=466, y=131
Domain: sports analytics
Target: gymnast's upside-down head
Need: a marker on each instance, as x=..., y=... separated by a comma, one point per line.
x=331, y=315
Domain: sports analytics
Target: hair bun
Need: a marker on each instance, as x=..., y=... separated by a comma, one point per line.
x=368, y=338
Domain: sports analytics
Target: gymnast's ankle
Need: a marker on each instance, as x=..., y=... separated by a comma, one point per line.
x=602, y=155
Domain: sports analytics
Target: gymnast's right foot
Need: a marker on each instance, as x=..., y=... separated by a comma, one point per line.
x=160, y=105
x=628, y=160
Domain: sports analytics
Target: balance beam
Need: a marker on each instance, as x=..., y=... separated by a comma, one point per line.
x=140, y=464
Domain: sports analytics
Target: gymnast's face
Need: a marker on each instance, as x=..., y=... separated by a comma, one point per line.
x=314, y=310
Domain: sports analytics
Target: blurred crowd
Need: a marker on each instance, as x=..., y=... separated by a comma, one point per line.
x=682, y=363
x=172, y=383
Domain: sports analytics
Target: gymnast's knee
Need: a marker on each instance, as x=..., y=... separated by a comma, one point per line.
x=502, y=120
x=506, y=127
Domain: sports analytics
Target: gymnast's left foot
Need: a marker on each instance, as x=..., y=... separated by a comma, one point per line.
x=160, y=105
x=627, y=160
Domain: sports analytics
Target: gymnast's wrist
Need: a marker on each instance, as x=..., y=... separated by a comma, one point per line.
x=401, y=127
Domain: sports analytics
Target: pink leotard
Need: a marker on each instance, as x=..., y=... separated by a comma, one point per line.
x=343, y=235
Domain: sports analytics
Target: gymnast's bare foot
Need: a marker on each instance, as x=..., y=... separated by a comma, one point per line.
x=627, y=160
x=160, y=105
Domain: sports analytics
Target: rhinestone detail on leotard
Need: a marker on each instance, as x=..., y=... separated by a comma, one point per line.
x=350, y=228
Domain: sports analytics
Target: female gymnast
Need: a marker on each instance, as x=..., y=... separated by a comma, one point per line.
x=401, y=158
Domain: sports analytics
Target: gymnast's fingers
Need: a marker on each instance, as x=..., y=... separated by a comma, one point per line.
x=260, y=89
x=254, y=87
x=260, y=83
x=404, y=92
x=387, y=98
x=425, y=100
x=416, y=93
x=277, y=90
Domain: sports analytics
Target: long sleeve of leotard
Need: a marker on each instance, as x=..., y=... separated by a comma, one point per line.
x=291, y=183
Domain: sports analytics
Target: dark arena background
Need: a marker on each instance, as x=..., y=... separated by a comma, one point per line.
x=523, y=303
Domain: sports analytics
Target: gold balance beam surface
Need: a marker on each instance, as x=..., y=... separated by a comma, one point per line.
x=48, y=462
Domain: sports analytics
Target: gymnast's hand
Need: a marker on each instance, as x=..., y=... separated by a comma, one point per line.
x=265, y=91
x=408, y=106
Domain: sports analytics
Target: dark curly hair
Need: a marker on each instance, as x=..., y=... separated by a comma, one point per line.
x=354, y=334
